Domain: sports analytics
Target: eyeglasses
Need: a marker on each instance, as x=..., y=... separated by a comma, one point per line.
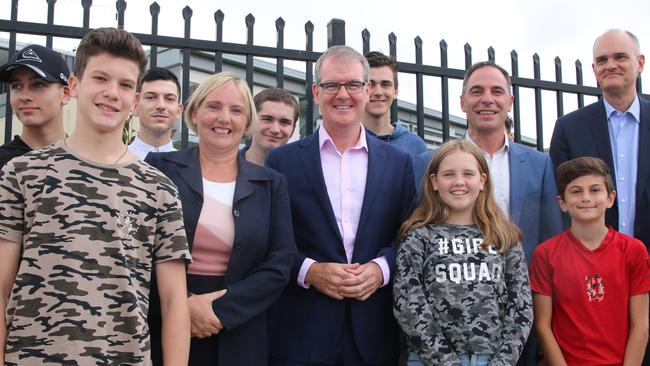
x=353, y=87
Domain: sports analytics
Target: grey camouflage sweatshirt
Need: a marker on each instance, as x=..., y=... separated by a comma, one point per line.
x=452, y=297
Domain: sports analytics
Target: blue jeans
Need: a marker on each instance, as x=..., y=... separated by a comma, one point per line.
x=466, y=359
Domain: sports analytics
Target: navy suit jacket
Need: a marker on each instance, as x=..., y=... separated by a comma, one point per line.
x=263, y=249
x=307, y=325
x=533, y=207
x=584, y=132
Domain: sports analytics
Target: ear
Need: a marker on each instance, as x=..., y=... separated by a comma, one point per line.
x=135, y=104
x=67, y=94
x=462, y=103
x=641, y=63
x=562, y=204
x=610, y=199
x=512, y=100
x=180, y=110
x=396, y=92
x=315, y=90
x=434, y=181
x=73, y=83
x=483, y=180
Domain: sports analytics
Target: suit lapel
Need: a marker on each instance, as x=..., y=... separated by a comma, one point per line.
x=191, y=172
x=517, y=158
x=376, y=155
x=644, y=150
x=311, y=165
x=600, y=132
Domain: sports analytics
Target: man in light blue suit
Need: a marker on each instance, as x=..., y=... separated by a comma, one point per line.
x=523, y=178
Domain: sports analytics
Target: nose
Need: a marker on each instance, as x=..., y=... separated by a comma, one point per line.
x=23, y=95
x=160, y=103
x=275, y=128
x=111, y=90
x=342, y=93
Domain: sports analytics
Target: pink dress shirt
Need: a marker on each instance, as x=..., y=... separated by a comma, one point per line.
x=345, y=179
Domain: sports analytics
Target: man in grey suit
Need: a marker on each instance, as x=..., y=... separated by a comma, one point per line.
x=523, y=178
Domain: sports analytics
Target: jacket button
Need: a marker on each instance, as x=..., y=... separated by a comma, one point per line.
x=236, y=213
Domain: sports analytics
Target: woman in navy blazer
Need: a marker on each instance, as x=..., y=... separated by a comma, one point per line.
x=229, y=316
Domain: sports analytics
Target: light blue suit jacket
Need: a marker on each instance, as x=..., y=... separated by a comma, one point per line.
x=532, y=194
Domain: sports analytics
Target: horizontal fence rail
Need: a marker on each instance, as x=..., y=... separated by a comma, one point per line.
x=335, y=36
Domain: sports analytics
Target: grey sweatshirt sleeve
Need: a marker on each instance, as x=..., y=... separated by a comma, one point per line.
x=518, y=317
x=411, y=309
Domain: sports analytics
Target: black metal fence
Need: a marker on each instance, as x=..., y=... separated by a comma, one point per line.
x=335, y=36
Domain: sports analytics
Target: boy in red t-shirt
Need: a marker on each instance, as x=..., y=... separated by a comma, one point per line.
x=590, y=282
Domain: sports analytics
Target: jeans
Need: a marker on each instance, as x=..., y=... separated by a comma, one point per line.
x=466, y=359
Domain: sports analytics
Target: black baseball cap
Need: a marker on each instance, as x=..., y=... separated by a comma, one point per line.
x=44, y=62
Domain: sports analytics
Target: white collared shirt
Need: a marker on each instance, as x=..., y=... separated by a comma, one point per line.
x=499, y=174
x=141, y=148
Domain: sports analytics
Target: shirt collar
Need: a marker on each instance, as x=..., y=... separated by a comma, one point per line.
x=139, y=142
x=324, y=138
x=634, y=110
x=505, y=147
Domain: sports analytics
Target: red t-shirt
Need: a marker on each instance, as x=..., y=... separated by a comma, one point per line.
x=591, y=292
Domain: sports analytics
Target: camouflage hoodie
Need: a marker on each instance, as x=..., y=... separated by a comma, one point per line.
x=452, y=297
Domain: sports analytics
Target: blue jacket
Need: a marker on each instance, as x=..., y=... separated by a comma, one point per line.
x=532, y=194
x=404, y=140
x=306, y=325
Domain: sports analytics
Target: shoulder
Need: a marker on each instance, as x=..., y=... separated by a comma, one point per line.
x=629, y=245
x=552, y=245
x=578, y=116
x=533, y=154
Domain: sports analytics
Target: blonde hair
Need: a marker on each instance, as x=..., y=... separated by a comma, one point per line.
x=214, y=82
x=497, y=230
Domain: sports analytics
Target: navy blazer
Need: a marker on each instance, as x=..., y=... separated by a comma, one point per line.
x=584, y=132
x=533, y=207
x=307, y=325
x=262, y=253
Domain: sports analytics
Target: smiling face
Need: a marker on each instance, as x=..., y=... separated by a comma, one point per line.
x=617, y=63
x=105, y=92
x=586, y=199
x=459, y=182
x=35, y=101
x=343, y=109
x=275, y=125
x=158, y=106
x=221, y=119
x=486, y=100
x=381, y=91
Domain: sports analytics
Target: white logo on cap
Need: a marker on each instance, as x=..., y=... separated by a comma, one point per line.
x=29, y=54
x=63, y=77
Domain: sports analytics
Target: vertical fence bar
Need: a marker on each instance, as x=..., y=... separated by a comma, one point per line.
x=154, y=10
x=309, y=80
x=335, y=32
x=419, y=86
x=250, y=27
x=581, y=97
x=218, y=55
x=86, y=4
x=444, y=84
x=12, y=49
x=365, y=38
x=468, y=56
x=392, y=50
x=50, y=21
x=491, y=55
x=187, y=18
x=120, y=5
x=279, y=66
x=539, y=127
x=559, y=95
x=514, y=62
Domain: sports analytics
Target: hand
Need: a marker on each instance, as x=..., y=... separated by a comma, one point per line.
x=204, y=321
x=365, y=280
x=328, y=277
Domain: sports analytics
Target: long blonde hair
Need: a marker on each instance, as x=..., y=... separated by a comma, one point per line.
x=497, y=230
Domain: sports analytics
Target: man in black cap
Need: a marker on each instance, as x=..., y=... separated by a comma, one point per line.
x=38, y=84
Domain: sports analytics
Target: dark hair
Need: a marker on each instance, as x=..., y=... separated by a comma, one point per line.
x=277, y=95
x=114, y=41
x=482, y=64
x=509, y=124
x=571, y=170
x=160, y=73
x=378, y=59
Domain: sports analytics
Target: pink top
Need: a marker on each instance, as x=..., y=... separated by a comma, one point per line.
x=345, y=179
x=215, y=231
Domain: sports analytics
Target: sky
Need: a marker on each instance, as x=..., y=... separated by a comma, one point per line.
x=550, y=28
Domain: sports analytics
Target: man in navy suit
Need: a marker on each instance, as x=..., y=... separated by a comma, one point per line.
x=349, y=194
x=616, y=129
x=523, y=179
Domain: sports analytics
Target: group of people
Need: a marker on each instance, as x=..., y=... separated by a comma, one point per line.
x=352, y=246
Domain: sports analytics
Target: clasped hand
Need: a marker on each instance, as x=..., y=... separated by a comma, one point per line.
x=204, y=321
x=339, y=281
